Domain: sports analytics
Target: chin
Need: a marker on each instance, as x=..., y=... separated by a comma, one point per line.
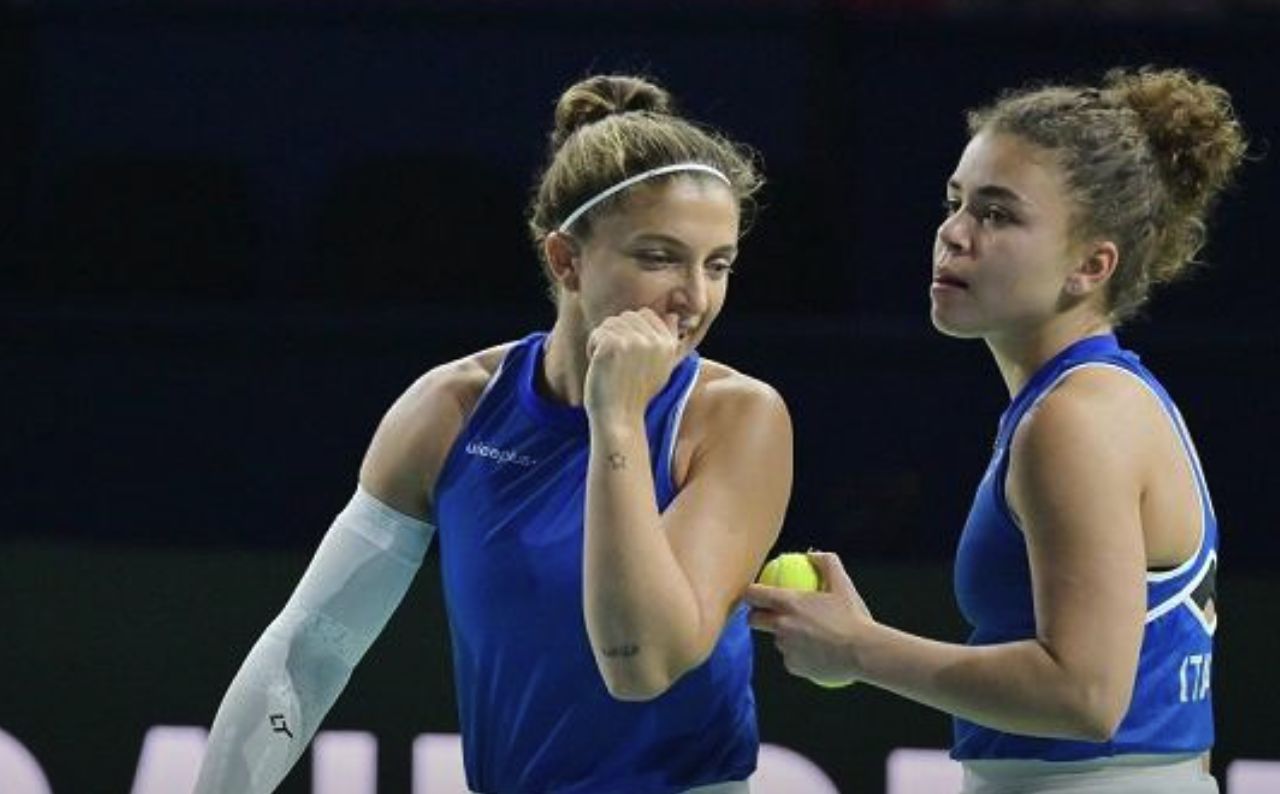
x=690, y=343
x=948, y=326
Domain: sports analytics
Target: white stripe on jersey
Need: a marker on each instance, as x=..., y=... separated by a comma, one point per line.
x=1183, y=598
x=670, y=452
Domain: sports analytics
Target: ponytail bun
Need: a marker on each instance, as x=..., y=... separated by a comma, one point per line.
x=601, y=96
x=1191, y=127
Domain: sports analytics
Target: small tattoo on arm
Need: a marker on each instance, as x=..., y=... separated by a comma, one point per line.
x=617, y=461
x=621, y=651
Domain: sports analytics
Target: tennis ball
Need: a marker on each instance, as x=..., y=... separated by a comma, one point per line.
x=792, y=571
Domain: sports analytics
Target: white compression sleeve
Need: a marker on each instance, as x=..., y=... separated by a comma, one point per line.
x=302, y=661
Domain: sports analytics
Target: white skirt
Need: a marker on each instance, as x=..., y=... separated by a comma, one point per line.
x=1132, y=774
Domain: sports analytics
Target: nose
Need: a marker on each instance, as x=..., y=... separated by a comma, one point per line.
x=692, y=293
x=953, y=234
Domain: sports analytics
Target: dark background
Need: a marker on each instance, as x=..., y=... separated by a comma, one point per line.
x=231, y=234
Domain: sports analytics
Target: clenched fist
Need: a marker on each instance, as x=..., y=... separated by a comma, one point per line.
x=631, y=356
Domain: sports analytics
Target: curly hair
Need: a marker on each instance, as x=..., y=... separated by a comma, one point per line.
x=1145, y=156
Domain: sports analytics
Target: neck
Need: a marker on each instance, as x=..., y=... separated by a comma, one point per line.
x=564, y=368
x=1020, y=353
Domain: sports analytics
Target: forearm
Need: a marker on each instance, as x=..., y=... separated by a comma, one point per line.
x=1018, y=687
x=269, y=714
x=641, y=611
x=303, y=660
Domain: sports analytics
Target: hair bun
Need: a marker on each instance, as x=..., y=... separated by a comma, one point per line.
x=601, y=96
x=1191, y=127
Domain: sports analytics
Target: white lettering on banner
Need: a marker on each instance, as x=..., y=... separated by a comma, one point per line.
x=19, y=769
x=910, y=770
x=781, y=770
x=345, y=762
x=170, y=760
x=1245, y=776
x=437, y=764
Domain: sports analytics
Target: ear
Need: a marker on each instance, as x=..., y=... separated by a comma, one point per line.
x=563, y=260
x=1094, y=270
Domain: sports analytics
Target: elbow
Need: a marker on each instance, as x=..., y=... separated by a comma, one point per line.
x=640, y=679
x=1096, y=715
x=637, y=679
x=1095, y=728
x=637, y=688
x=1101, y=725
x=639, y=671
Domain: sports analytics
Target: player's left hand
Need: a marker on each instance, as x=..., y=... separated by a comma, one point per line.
x=631, y=356
x=816, y=632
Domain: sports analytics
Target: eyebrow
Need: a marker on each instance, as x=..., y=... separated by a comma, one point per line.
x=666, y=239
x=992, y=192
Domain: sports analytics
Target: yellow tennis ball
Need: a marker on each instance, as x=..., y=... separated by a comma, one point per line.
x=792, y=571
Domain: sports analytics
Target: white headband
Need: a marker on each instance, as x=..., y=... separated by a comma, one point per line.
x=629, y=181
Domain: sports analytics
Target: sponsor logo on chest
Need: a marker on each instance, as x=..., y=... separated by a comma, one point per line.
x=498, y=455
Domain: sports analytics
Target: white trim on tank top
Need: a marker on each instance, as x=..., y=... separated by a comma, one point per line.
x=670, y=452
x=1183, y=596
x=1188, y=450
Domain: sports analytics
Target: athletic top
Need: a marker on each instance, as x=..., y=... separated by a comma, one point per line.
x=535, y=714
x=1171, y=711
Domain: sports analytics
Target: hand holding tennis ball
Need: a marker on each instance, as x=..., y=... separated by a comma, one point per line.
x=804, y=640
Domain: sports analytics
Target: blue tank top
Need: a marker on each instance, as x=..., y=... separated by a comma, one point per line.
x=1172, y=709
x=535, y=714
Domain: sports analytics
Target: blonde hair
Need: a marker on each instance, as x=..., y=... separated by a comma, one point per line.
x=611, y=127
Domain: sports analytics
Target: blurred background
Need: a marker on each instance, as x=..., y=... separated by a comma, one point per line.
x=231, y=233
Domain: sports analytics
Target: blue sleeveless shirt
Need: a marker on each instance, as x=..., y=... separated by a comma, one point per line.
x=535, y=714
x=1172, y=707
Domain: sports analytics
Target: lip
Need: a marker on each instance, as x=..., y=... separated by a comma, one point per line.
x=945, y=280
x=941, y=291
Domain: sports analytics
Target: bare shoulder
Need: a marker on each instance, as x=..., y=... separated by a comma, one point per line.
x=731, y=415
x=458, y=383
x=417, y=432
x=1092, y=404
x=1085, y=442
x=725, y=394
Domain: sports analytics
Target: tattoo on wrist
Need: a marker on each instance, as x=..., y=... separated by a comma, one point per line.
x=621, y=651
x=617, y=461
